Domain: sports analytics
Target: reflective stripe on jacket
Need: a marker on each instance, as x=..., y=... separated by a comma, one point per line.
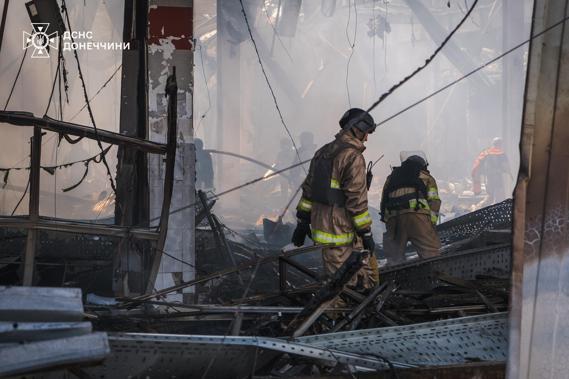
x=331, y=223
x=405, y=199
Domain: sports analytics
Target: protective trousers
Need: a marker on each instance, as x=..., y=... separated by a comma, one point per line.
x=414, y=227
x=334, y=257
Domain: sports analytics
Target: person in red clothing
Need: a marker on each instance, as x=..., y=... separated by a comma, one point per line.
x=491, y=166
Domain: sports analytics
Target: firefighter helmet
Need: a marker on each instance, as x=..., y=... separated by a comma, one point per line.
x=358, y=118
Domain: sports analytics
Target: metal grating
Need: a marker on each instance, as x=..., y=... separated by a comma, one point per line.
x=454, y=341
x=497, y=216
x=419, y=275
x=188, y=356
x=168, y=356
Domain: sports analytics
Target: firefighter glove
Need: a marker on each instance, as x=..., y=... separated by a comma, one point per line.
x=367, y=239
x=302, y=230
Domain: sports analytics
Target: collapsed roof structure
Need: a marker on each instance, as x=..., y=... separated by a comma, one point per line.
x=169, y=290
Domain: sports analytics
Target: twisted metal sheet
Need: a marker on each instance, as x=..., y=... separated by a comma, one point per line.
x=497, y=216
x=421, y=274
x=454, y=341
x=189, y=356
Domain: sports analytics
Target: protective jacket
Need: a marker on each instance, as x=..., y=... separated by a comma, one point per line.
x=334, y=193
x=419, y=194
x=491, y=163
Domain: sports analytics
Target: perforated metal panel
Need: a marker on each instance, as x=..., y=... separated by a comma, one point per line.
x=435, y=343
x=187, y=356
x=496, y=216
x=155, y=356
x=419, y=275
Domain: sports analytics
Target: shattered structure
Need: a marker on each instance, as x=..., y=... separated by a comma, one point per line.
x=155, y=281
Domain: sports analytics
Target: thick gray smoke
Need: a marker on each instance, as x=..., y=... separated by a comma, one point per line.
x=325, y=57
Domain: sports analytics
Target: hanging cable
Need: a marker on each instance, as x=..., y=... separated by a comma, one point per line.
x=472, y=72
x=3, y=22
x=96, y=93
x=269, y=83
x=22, y=197
x=55, y=78
x=64, y=75
x=53, y=169
x=352, y=46
x=86, y=96
x=429, y=60
x=207, y=89
x=70, y=140
x=386, y=2
x=276, y=34
x=217, y=196
x=16, y=79
x=373, y=45
x=60, y=82
x=95, y=158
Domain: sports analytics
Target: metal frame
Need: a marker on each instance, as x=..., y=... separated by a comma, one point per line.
x=34, y=222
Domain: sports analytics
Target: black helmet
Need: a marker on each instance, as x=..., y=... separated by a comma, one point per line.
x=358, y=118
x=418, y=160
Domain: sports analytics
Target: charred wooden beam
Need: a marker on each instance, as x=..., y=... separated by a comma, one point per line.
x=327, y=294
x=386, y=289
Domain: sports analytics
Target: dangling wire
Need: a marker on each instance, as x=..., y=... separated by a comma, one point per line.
x=16, y=79
x=429, y=60
x=55, y=78
x=207, y=89
x=269, y=84
x=352, y=44
x=86, y=96
x=373, y=46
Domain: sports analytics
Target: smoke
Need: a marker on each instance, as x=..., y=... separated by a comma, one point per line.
x=31, y=93
x=319, y=62
x=317, y=75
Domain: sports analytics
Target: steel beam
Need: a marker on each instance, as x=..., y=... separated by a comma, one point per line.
x=30, y=357
x=19, y=332
x=52, y=225
x=452, y=51
x=40, y=304
x=34, y=207
x=167, y=355
x=48, y=123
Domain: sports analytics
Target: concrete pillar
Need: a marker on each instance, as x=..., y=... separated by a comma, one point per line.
x=231, y=32
x=539, y=315
x=171, y=44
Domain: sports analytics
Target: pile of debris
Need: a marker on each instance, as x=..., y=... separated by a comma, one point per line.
x=266, y=289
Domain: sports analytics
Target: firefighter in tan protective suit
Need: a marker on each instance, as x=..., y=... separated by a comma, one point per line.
x=410, y=207
x=333, y=208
